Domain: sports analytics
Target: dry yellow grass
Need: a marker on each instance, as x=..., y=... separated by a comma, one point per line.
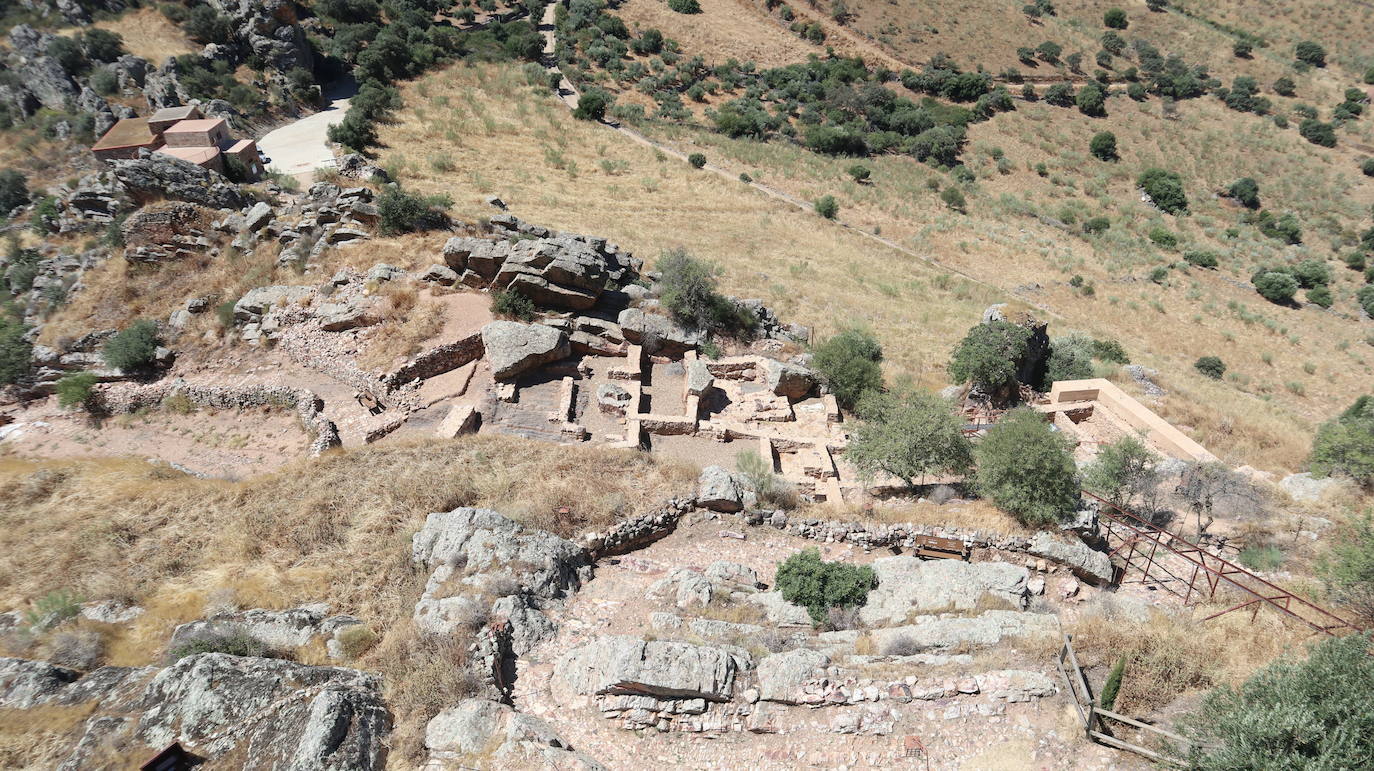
x=149, y=34
x=337, y=529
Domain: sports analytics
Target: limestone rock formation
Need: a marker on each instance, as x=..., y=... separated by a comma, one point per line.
x=1086, y=563
x=721, y=490
x=781, y=674
x=279, y=630
x=514, y=348
x=162, y=176
x=477, y=731
x=907, y=584
x=622, y=665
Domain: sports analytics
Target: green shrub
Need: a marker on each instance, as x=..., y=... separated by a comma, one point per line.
x=1165, y=188
x=403, y=212
x=1365, y=294
x=1367, y=168
x=990, y=355
x=1163, y=238
x=102, y=45
x=908, y=435
x=510, y=304
x=1070, y=359
x=1276, y=287
x=1345, y=444
x=1092, y=100
x=1059, y=95
x=684, y=6
x=15, y=351
x=1246, y=192
x=1242, y=49
x=52, y=609
x=593, y=103
x=1293, y=714
x=1159, y=275
x=1311, y=53
x=1285, y=86
x=75, y=389
x=849, y=364
x=1137, y=92
x=1110, y=350
x=1200, y=259
x=1123, y=472
x=1113, y=684
x=1027, y=469
x=1115, y=18
x=806, y=580
x=1210, y=366
x=1096, y=225
x=45, y=216
x=205, y=25
x=68, y=55
x=133, y=348
x=1261, y=558
x=1355, y=261
x=769, y=488
x=234, y=642
x=688, y=293
x=861, y=173
x=1283, y=228
x=1312, y=272
x=1103, y=146
x=953, y=197
x=827, y=206
x=1348, y=568
x=1318, y=133
x=355, y=640
x=14, y=190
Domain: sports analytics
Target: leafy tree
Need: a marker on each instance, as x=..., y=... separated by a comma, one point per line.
x=1027, y=469
x=1348, y=569
x=1367, y=168
x=75, y=389
x=15, y=351
x=1110, y=350
x=1049, y=51
x=1285, y=86
x=14, y=190
x=953, y=197
x=1113, y=43
x=102, y=45
x=827, y=207
x=1123, y=472
x=1345, y=444
x=205, y=25
x=68, y=55
x=1115, y=18
x=1284, y=228
x=849, y=363
x=354, y=131
x=1103, y=146
x=403, y=212
x=592, y=104
x=689, y=295
x=990, y=355
x=133, y=348
x=1318, y=133
x=1311, y=53
x=1060, y=95
x=1312, y=272
x=908, y=435
x=1136, y=92
x=1210, y=366
x=1276, y=286
x=1091, y=100
x=1165, y=188
x=1293, y=714
x=1096, y=225
x=1246, y=191
x=1320, y=296
x=1070, y=359
x=806, y=580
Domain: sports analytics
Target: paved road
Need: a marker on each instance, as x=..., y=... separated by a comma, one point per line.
x=301, y=147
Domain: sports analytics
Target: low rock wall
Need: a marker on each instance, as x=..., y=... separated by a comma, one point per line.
x=123, y=398
x=437, y=361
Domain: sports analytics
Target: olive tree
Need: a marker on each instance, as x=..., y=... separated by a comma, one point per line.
x=1026, y=469
x=908, y=435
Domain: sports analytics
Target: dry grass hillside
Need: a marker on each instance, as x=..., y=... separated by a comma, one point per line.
x=335, y=530
x=502, y=137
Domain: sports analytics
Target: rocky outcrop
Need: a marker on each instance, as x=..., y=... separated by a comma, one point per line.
x=721, y=490
x=781, y=675
x=257, y=302
x=628, y=666
x=252, y=713
x=278, y=630
x=721, y=581
x=789, y=380
x=1086, y=563
x=1307, y=488
x=513, y=348
x=929, y=633
x=658, y=334
x=908, y=584
x=162, y=176
x=484, y=733
x=554, y=270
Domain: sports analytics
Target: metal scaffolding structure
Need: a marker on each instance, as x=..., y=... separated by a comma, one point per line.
x=1196, y=575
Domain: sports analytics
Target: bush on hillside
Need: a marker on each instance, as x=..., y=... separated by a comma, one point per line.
x=827, y=206
x=15, y=351
x=1345, y=444
x=403, y=212
x=510, y=304
x=1312, y=272
x=1115, y=18
x=806, y=580
x=1027, y=469
x=860, y=173
x=688, y=293
x=1246, y=192
x=1071, y=358
x=14, y=190
x=1348, y=569
x=696, y=160
x=234, y=642
x=1276, y=286
x=908, y=435
x=206, y=25
x=102, y=45
x=1365, y=294
x=1311, y=53
x=1123, y=472
x=770, y=489
x=132, y=349
x=592, y=104
x=1367, y=168
x=68, y=55
x=75, y=389
x=685, y=6
x=1162, y=237
x=1285, y=227
x=1318, y=133
x=954, y=198
x=1103, y=146
x=1092, y=100
x=1242, y=49
x=1210, y=366
x=1165, y=188
x=1060, y=95
x=1200, y=259
x=1293, y=714
x=1096, y=225
x=1320, y=296
x=1285, y=86
x=849, y=364
x=989, y=355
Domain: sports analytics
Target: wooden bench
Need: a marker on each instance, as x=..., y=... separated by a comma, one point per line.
x=935, y=547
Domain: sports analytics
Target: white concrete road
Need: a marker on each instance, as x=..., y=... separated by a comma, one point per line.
x=301, y=147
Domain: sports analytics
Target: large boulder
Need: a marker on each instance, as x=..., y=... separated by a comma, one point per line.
x=249, y=713
x=657, y=333
x=908, y=584
x=556, y=273
x=721, y=490
x=789, y=380
x=782, y=674
x=620, y=665
x=481, y=733
x=162, y=176
x=1087, y=563
x=514, y=348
